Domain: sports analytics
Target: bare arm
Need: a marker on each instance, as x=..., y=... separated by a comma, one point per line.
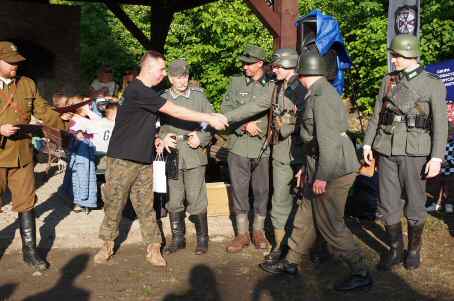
x=217, y=121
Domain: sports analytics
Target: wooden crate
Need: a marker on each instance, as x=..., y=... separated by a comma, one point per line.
x=219, y=199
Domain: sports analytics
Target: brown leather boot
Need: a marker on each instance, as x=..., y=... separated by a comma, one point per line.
x=259, y=240
x=105, y=253
x=238, y=243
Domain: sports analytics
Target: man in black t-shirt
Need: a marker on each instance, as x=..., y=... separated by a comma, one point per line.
x=130, y=156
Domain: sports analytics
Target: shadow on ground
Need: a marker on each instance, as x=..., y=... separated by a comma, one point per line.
x=65, y=289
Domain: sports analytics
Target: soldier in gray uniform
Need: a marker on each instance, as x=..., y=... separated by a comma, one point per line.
x=248, y=158
x=190, y=142
x=408, y=130
x=330, y=170
x=286, y=143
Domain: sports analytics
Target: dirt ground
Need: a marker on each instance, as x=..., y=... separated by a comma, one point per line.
x=221, y=276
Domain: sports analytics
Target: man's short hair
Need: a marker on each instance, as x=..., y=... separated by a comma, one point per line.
x=151, y=54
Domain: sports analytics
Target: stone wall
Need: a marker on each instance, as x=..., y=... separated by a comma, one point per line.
x=49, y=37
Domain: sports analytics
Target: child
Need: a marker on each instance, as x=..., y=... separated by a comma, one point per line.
x=80, y=177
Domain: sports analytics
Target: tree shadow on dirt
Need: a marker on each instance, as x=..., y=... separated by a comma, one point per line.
x=64, y=289
x=7, y=290
x=59, y=210
x=204, y=286
x=317, y=284
x=47, y=231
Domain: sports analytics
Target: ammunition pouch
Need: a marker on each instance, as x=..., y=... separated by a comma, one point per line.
x=389, y=117
x=419, y=122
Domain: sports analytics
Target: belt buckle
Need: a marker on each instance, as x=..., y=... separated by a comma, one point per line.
x=398, y=118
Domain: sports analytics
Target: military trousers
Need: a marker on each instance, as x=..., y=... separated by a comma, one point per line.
x=282, y=199
x=324, y=215
x=21, y=183
x=126, y=178
x=189, y=186
x=245, y=172
x=400, y=178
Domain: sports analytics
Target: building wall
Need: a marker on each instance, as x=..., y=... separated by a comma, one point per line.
x=49, y=37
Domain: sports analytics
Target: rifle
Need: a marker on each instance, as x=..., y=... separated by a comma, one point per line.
x=272, y=132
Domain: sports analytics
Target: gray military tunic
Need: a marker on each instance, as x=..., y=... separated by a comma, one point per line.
x=287, y=153
x=330, y=156
x=190, y=185
x=403, y=149
x=244, y=150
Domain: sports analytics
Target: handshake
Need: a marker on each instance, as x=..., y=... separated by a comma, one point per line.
x=217, y=121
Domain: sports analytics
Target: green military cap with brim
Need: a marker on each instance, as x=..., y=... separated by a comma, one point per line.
x=253, y=54
x=179, y=68
x=9, y=54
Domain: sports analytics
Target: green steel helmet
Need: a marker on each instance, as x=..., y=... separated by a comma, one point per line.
x=285, y=57
x=405, y=45
x=311, y=64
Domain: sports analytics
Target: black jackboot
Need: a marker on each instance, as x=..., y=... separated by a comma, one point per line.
x=359, y=278
x=413, y=259
x=396, y=244
x=201, y=227
x=28, y=235
x=178, y=228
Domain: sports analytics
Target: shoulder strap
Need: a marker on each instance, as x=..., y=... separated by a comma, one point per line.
x=8, y=98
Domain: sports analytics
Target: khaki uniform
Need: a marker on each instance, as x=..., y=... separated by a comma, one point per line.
x=330, y=156
x=16, y=152
x=190, y=185
x=415, y=97
x=244, y=150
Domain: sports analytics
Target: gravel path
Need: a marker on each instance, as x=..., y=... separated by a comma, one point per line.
x=59, y=227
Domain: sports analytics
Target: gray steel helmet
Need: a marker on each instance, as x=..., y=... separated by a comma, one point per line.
x=285, y=58
x=311, y=64
x=406, y=45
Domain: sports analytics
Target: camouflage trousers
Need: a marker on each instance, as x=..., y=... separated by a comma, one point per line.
x=323, y=216
x=126, y=178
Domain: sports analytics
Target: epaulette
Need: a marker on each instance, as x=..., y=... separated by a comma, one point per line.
x=432, y=75
x=197, y=89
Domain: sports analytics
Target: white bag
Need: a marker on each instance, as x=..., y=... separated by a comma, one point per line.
x=159, y=175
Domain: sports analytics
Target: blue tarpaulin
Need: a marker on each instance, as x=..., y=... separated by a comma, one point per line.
x=328, y=35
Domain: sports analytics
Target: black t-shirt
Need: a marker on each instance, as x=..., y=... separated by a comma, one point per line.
x=135, y=124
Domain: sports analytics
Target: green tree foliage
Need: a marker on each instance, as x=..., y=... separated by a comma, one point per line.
x=364, y=25
x=212, y=36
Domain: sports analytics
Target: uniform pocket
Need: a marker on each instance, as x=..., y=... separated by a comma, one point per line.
x=418, y=142
x=382, y=142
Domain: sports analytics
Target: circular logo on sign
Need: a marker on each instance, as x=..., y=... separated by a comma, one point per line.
x=406, y=20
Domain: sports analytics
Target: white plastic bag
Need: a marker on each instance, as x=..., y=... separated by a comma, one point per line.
x=159, y=175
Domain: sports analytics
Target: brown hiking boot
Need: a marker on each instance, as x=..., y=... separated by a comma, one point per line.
x=259, y=240
x=238, y=243
x=105, y=253
x=154, y=255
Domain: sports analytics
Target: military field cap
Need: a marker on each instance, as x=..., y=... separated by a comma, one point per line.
x=405, y=45
x=253, y=54
x=9, y=54
x=178, y=68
